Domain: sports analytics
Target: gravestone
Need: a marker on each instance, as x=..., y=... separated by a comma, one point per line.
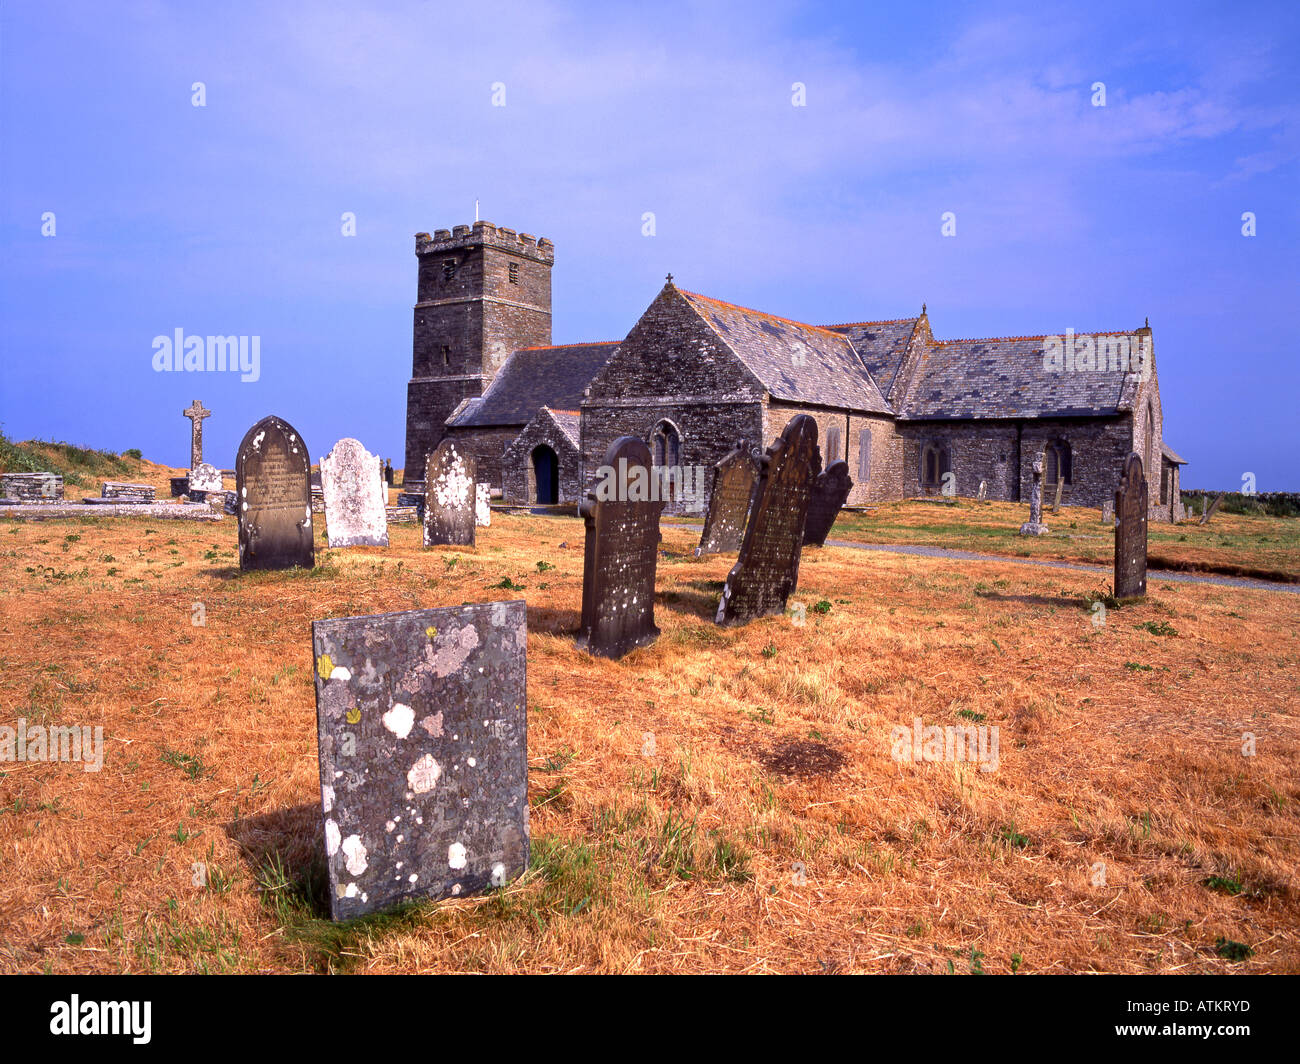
x=622, y=548
x=1034, y=526
x=272, y=484
x=204, y=478
x=422, y=733
x=1131, y=531
x=482, y=505
x=449, y=497
x=1207, y=512
x=1056, y=503
x=116, y=489
x=1108, y=512
x=734, y=478
x=830, y=490
x=767, y=571
x=983, y=493
x=352, y=486
x=196, y=414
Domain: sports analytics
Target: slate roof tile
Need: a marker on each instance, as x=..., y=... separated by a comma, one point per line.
x=531, y=378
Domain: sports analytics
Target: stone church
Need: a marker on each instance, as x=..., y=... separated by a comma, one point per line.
x=911, y=415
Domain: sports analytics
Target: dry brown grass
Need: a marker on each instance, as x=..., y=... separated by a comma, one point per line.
x=1118, y=746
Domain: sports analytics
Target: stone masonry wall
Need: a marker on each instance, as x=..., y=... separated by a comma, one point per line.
x=518, y=477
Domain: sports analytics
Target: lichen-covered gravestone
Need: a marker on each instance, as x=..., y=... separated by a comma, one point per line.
x=273, y=493
x=734, y=478
x=1131, y=531
x=483, y=505
x=449, y=497
x=204, y=478
x=767, y=571
x=423, y=753
x=622, y=548
x=830, y=491
x=352, y=483
x=1034, y=526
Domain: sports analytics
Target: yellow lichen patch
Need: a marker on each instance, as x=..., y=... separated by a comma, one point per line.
x=354, y=715
x=431, y=632
x=324, y=666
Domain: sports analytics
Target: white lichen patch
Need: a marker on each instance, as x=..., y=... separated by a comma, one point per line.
x=456, y=855
x=332, y=837
x=326, y=797
x=498, y=875
x=399, y=720
x=354, y=855
x=424, y=775
x=433, y=724
x=340, y=672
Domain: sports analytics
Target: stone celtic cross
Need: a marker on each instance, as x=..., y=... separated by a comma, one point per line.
x=196, y=414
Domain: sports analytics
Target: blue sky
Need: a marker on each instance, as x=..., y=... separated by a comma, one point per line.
x=226, y=219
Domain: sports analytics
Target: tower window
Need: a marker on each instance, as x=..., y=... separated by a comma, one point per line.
x=446, y=354
x=514, y=273
x=448, y=269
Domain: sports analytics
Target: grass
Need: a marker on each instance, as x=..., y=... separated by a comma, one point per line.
x=1121, y=745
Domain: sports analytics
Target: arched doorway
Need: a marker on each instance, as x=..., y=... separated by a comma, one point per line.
x=546, y=476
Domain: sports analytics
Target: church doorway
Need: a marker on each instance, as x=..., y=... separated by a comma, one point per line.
x=546, y=476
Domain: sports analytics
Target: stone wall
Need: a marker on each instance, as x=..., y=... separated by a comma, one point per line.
x=486, y=446
x=519, y=478
x=884, y=452
x=32, y=487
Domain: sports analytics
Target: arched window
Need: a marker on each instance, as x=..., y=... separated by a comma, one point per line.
x=934, y=464
x=666, y=445
x=1058, y=463
x=1149, y=453
x=864, y=455
x=834, y=447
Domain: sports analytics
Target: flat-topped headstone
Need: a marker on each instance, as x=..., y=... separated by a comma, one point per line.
x=767, y=570
x=274, y=498
x=830, y=492
x=32, y=487
x=196, y=414
x=1108, y=512
x=204, y=477
x=1131, y=531
x=622, y=548
x=449, y=497
x=983, y=492
x=423, y=743
x=482, y=505
x=352, y=483
x=734, y=478
x=1034, y=526
x=116, y=489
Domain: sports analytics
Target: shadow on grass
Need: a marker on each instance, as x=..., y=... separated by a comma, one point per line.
x=1038, y=600
x=700, y=602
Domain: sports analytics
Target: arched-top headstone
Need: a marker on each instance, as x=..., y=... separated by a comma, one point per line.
x=352, y=481
x=449, y=496
x=767, y=571
x=830, y=491
x=273, y=494
x=1131, y=531
x=622, y=548
x=734, y=478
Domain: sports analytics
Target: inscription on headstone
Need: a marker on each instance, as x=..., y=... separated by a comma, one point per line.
x=272, y=486
x=622, y=548
x=1131, y=531
x=352, y=482
x=830, y=490
x=1034, y=526
x=767, y=571
x=734, y=478
x=423, y=745
x=449, y=497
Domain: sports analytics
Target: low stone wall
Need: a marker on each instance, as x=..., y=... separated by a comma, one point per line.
x=32, y=487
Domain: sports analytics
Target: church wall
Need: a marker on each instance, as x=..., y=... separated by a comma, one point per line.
x=486, y=446
x=884, y=452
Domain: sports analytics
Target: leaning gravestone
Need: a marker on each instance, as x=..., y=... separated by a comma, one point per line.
x=1131, y=531
x=767, y=571
x=272, y=469
x=1034, y=526
x=483, y=505
x=422, y=734
x=352, y=483
x=449, y=497
x=622, y=548
x=1207, y=512
x=734, y=478
x=830, y=490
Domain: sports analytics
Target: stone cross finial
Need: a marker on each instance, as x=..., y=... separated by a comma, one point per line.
x=196, y=414
x=670, y=278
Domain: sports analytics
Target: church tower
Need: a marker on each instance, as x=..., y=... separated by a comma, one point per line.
x=482, y=293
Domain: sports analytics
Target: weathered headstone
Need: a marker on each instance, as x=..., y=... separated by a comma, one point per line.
x=734, y=478
x=483, y=505
x=204, y=478
x=1108, y=512
x=196, y=414
x=352, y=484
x=983, y=493
x=1056, y=503
x=1131, y=531
x=1207, y=512
x=767, y=571
x=830, y=490
x=449, y=497
x=622, y=548
x=1034, y=526
x=272, y=483
x=422, y=731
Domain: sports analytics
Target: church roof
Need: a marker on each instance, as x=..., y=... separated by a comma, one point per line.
x=568, y=421
x=1004, y=377
x=1169, y=453
x=881, y=345
x=795, y=362
x=531, y=378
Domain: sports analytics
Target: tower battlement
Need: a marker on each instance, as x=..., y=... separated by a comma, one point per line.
x=485, y=234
